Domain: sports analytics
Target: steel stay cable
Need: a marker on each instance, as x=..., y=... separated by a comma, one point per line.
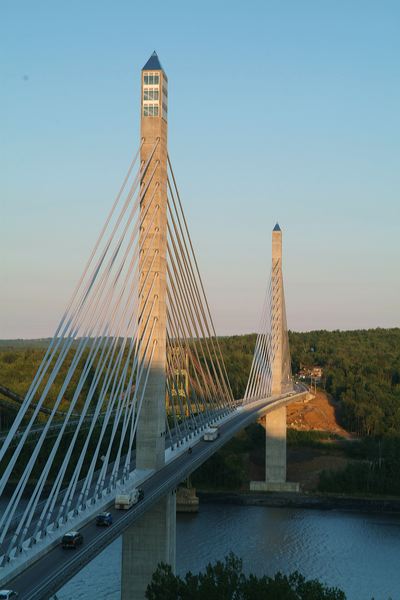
x=13, y=503
x=49, y=421
x=176, y=423
x=186, y=281
x=114, y=373
x=140, y=370
x=198, y=271
x=23, y=480
x=96, y=378
x=146, y=379
x=130, y=445
x=70, y=323
x=30, y=391
x=83, y=377
x=187, y=395
x=267, y=353
x=113, y=395
x=178, y=304
x=177, y=428
x=263, y=356
x=182, y=412
x=183, y=342
x=192, y=279
x=130, y=217
x=168, y=429
x=260, y=343
x=265, y=349
x=189, y=407
x=175, y=322
x=254, y=366
x=185, y=303
x=121, y=296
x=135, y=368
x=44, y=394
x=61, y=472
x=44, y=366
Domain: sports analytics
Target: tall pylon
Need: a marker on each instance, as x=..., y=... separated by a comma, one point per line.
x=152, y=261
x=152, y=539
x=277, y=331
x=274, y=422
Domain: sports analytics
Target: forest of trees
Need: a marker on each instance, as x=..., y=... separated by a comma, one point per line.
x=226, y=580
x=361, y=370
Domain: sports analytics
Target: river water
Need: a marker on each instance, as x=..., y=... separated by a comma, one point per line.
x=356, y=552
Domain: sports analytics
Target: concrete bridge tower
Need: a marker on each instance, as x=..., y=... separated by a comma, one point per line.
x=152, y=539
x=274, y=422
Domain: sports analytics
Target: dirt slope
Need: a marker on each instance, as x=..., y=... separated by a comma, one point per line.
x=318, y=414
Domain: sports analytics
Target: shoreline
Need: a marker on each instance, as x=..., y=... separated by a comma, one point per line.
x=301, y=500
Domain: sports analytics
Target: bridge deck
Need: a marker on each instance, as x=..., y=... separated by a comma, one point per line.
x=52, y=570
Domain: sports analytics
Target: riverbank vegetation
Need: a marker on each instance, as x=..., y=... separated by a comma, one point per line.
x=226, y=580
x=373, y=469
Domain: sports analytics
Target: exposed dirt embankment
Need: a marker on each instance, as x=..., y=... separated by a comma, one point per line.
x=318, y=414
x=305, y=463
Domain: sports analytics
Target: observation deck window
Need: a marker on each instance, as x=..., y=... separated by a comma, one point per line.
x=150, y=110
x=151, y=79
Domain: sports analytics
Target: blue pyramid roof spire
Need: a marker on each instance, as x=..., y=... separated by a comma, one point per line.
x=276, y=228
x=153, y=64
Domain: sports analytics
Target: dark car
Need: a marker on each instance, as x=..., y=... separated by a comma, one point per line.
x=104, y=519
x=141, y=494
x=72, y=539
x=8, y=595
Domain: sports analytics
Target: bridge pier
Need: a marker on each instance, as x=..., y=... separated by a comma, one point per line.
x=147, y=543
x=274, y=423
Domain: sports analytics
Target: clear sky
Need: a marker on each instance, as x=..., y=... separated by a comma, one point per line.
x=278, y=110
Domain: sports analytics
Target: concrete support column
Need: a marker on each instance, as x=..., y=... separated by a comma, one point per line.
x=275, y=455
x=145, y=544
x=275, y=446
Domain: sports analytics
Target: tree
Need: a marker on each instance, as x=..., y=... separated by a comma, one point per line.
x=226, y=581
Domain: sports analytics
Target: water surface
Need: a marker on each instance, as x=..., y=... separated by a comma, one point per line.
x=358, y=553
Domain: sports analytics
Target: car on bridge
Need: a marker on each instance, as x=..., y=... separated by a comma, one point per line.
x=72, y=539
x=8, y=595
x=104, y=518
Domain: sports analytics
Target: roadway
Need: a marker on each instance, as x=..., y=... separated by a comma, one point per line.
x=49, y=573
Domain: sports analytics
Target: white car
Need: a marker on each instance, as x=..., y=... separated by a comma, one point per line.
x=7, y=594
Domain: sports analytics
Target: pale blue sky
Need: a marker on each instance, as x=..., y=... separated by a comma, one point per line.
x=278, y=110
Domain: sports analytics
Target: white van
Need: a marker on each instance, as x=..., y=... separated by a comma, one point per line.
x=127, y=498
x=211, y=434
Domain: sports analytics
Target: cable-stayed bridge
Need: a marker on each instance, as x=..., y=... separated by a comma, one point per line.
x=131, y=379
